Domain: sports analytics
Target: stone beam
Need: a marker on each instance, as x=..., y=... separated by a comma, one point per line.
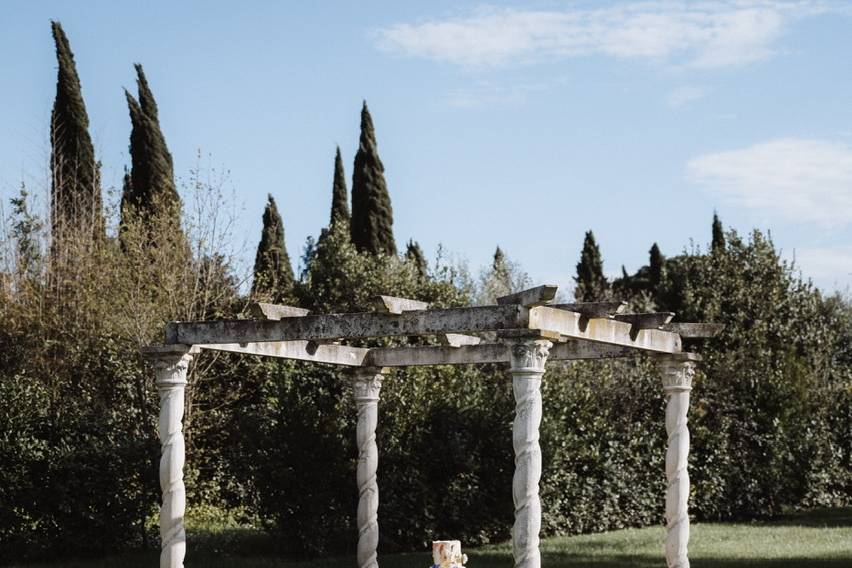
x=298, y=350
x=349, y=326
x=593, y=309
x=262, y=310
x=393, y=305
x=458, y=339
x=487, y=353
x=532, y=297
x=653, y=320
x=604, y=330
x=639, y=322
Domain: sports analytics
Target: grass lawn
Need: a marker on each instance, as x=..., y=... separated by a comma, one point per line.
x=817, y=539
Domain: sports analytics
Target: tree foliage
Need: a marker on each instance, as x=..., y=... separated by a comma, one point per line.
x=414, y=254
x=372, y=215
x=717, y=244
x=75, y=173
x=150, y=191
x=770, y=419
x=273, y=273
x=591, y=285
x=339, y=193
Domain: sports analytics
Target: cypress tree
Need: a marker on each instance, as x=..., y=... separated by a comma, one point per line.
x=414, y=254
x=499, y=267
x=150, y=191
x=76, y=202
x=655, y=265
x=718, y=242
x=273, y=274
x=372, y=216
x=591, y=283
x=339, y=193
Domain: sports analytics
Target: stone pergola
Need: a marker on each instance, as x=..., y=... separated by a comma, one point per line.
x=530, y=330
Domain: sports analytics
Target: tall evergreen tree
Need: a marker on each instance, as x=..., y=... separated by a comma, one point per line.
x=76, y=202
x=273, y=274
x=339, y=193
x=372, y=216
x=655, y=265
x=718, y=242
x=414, y=254
x=499, y=266
x=591, y=283
x=150, y=192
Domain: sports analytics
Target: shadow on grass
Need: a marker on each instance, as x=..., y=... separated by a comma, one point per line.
x=818, y=518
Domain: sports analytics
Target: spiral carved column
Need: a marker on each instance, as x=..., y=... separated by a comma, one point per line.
x=170, y=365
x=677, y=382
x=367, y=385
x=528, y=357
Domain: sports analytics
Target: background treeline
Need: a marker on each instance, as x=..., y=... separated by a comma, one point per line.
x=271, y=443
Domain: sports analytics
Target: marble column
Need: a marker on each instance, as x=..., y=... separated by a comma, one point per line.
x=170, y=365
x=366, y=386
x=528, y=357
x=677, y=373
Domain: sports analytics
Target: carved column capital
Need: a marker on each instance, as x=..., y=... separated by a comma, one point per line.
x=367, y=384
x=677, y=374
x=170, y=363
x=528, y=355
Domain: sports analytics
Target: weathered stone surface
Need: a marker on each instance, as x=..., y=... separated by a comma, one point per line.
x=487, y=353
x=653, y=320
x=394, y=305
x=602, y=330
x=298, y=350
x=537, y=296
x=593, y=309
x=349, y=326
x=458, y=339
x=263, y=310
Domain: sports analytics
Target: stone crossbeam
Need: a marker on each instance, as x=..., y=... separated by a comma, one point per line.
x=297, y=350
x=349, y=326
x=262, y=310
x=537, y=296
x=413, y=356
x=486, y=353
x=604, y=330
x=394, y=305
x=593, y=309
x=549, y=321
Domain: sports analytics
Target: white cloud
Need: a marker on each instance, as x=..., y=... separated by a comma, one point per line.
x=682, y=96
x=796, y=179
x=700, y=34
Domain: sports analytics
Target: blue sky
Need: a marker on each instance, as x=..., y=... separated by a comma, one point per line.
x=510, y=123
